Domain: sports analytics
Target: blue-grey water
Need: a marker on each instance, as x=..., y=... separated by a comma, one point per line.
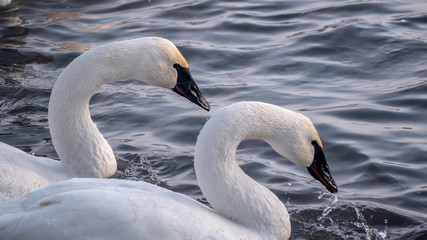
x=358, y=69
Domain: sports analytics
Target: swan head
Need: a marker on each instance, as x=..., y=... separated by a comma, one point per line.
x=295, y=137
x=163, y=65
x=186, y=87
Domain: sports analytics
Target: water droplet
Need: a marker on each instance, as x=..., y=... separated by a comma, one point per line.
x=328, y=209
x=383, y=233
x=334, y=199
x=371, y=233
x=321, y=195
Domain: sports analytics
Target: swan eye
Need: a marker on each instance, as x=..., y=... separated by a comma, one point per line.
x=176, y=65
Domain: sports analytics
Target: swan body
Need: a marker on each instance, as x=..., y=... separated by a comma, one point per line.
x=73, y=209
x=118, y=209
x=83, y=151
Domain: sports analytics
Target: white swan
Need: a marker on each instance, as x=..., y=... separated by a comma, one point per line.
x=81, y=147
x=118, y=209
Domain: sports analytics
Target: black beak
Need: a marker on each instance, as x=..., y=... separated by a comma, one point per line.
x=319, y=169
x=186, y=87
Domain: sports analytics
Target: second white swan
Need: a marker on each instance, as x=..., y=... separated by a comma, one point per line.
x=242, y=208
x=83, y=150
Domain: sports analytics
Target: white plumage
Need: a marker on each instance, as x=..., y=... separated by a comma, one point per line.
x=83, y=150
x=118, y=209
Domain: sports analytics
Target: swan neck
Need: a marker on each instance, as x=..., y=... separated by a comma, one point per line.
x=79, y=144
x=227, y=188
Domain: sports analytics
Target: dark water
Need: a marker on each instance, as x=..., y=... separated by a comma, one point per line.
x=358, y=69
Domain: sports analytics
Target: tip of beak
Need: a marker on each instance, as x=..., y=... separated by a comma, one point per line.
x=334, y=189
x=198, y=99
x=205, y=105
x=324, y=177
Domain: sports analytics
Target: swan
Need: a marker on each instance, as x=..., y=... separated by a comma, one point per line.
x=82, y=149
x=84, y=208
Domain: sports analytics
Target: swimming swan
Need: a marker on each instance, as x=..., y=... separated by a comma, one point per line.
x=81, y=147
x=119, y=209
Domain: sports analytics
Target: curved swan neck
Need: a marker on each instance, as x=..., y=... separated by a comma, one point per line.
x=79, y=144
x=227, y=188
x=77, y=140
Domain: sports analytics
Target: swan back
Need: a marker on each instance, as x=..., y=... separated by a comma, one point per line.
x=112, y=209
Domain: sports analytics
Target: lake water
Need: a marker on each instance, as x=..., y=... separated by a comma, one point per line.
x=358, y=69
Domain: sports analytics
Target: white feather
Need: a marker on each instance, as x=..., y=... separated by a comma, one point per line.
x=81, y=147
x=119, y=209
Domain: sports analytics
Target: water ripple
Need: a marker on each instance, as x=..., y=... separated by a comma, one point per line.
x=356, y=68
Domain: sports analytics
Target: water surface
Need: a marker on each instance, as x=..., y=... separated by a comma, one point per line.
x=358, y=69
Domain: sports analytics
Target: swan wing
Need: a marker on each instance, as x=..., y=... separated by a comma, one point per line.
x=112, y=209
x=21, y=173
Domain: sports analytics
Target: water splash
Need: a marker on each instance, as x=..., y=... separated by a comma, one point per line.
x=323, y=193
x=361, y=222
x=136, y=167
x=329, y=207
x=383, y=233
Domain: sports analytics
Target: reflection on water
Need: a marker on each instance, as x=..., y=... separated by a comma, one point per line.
x=356, y=68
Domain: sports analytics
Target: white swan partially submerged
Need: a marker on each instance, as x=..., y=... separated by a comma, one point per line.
x=82, y=149
x=119, y=209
